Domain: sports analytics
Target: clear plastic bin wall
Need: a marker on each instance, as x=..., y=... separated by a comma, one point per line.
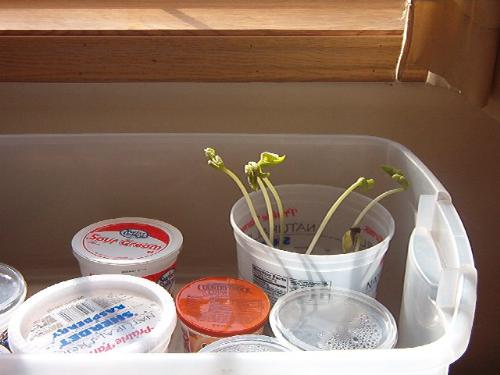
x=55, y=185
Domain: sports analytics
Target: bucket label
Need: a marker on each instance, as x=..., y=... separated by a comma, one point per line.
x=94, y=324
x=165, y=278
x=276, y=285
x=126, y=241
x=4, y=339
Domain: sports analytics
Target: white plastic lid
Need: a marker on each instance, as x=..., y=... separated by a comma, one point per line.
x=12, y=293
x=246, y=344
x=126, y=240
x=94, y=314
x=322, y=318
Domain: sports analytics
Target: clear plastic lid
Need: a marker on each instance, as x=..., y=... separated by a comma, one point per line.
x=246, y=344
x=322, y=318
x=12, y=292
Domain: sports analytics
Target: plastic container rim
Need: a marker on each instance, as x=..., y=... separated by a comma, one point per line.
x=360, y=255
x=173, y=248
x=278, y=328
x=152, y=291
x=7, y=307
x=215, y=333
x=244, y=339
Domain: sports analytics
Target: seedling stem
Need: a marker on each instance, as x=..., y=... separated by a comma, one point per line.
x=215, y=161
x=359, y=183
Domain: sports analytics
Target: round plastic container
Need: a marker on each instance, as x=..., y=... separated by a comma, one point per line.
x=218, y=307
x=246, y=344
x=281, y=271
x=130, y=245
x=12, y=294
x=322, y=318
x=95, y=314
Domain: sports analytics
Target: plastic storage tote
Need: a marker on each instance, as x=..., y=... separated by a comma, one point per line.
x=56, y=184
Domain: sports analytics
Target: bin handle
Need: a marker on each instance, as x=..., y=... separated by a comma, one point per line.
x=456, y=291
x=456, y=298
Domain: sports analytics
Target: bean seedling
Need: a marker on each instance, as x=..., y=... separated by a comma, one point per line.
x=366, y=183
x=216, y=162
x=258, y=179
x=350, y=240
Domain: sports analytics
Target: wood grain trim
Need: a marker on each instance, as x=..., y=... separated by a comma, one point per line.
x=202, y=32
x=413, y=74
x=199, y=40
x=199, y=17
x=207, y=59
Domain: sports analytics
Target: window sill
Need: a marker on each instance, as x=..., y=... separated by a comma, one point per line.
x=199, y=40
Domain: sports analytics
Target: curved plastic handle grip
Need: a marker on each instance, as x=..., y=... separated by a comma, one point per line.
x=456, y=297
x=456, y=291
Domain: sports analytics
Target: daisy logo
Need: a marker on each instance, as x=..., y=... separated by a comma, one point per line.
x=134, y=233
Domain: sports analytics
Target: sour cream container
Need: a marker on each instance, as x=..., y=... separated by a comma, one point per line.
x=323, y=318
x=95, y=314
x=216, y=307
x=12, y=294
x=130, y=245
x=245, y=344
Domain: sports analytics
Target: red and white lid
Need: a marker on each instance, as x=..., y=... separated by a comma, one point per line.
x=127, y=240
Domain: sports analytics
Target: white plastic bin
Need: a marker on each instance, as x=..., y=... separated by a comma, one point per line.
x=55, y=184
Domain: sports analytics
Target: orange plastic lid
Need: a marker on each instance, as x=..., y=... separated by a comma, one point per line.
x=222, y=306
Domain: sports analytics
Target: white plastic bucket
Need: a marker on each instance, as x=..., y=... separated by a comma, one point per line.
x=281, y=271
x=130, y=245
x=95, y=314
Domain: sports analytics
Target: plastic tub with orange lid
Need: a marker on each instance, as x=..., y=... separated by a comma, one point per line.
x=216, y=307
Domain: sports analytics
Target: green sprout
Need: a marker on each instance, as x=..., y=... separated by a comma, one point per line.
x=361, y=182
x=350, y=239
x=258, y=179
x=254, y=174
x=216, y=162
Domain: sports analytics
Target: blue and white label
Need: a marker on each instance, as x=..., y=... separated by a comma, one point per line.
x=94, y=324
x=134, y=233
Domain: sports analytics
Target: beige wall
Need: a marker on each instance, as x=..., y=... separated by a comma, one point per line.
x=493, y=107
x=459, y=143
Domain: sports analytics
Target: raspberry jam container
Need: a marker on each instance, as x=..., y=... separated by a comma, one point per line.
x=216, y=307
x=132, y=246
x=95, y=314
x=12, y=294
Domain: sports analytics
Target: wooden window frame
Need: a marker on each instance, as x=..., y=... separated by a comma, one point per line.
x=200, y=40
